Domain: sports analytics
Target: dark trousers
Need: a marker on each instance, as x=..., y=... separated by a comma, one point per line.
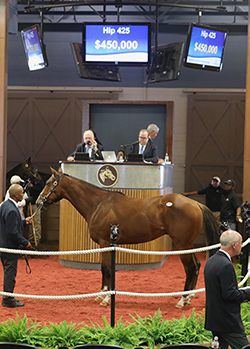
x=235, y=340
x=10, y=271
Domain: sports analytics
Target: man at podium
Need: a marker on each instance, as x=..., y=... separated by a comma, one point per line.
x=148, y=149
x=89, y=146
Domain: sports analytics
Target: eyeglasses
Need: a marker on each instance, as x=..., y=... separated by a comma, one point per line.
x=143, y=137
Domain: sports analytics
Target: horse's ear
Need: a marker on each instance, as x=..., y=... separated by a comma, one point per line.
x=52, y=170
x=59, y=170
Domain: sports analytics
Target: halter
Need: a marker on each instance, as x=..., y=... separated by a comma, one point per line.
x=44, y=199
x=34, y=173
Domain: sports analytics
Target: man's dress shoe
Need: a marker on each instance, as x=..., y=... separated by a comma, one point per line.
x=11, y=303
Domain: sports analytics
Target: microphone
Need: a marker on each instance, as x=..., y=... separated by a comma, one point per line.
x=128, y=145
x=124, y=145
x=88, y=143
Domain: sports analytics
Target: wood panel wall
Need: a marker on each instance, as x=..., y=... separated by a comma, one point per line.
x=215, y=139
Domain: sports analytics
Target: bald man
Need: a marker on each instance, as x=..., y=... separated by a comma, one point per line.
x=11, y=227
x=223, y=297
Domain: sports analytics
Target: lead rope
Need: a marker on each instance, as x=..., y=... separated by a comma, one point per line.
x=28, y=268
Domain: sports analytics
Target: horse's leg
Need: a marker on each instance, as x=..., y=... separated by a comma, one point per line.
x=106, y=278
x=191, y=266
x=104, y=288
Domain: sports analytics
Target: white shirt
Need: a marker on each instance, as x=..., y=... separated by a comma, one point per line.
x=226, y=253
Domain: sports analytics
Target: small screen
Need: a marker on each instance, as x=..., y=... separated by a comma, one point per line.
x=34, y=50
x=94, y=71
x=205, y=47
x=117, y=43
x=166, y=63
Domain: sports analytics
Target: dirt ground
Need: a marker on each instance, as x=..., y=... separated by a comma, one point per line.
x=48, y=277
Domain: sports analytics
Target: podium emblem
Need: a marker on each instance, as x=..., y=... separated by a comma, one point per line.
x=107, y=175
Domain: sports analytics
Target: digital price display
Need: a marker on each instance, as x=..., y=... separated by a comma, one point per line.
x=205, y=47
x=116, y=43
x=33, y=48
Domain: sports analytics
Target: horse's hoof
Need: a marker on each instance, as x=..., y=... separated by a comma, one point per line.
x=189, y=298
x=99, y=298
x=104, y=303
x=185, y=300
x=180, y=304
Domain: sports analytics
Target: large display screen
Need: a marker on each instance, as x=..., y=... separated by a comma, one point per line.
x=205, y=47
x=118, y=43
x=34, y=50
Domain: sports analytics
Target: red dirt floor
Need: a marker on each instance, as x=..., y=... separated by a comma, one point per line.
x=48, y=277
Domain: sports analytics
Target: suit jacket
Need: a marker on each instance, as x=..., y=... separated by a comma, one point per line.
x=11, y=229
x=150, y=152
x=80, y=148
x=223, y=297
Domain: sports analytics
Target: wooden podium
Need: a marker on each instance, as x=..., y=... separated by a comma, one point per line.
x=138, y=180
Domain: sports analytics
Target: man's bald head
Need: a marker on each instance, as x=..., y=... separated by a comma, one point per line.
x=231, y=242
x=15, y=191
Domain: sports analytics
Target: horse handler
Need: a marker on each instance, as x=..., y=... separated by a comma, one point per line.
x=11, y=227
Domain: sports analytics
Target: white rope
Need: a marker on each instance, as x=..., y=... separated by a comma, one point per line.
x=169, y=253
x=106, y=249
x=89, y=295
x=77, y=296
x=55, y=253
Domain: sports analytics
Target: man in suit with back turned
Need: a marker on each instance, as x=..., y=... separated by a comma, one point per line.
x=223, y=297
x=143, y=146
x=11, y=227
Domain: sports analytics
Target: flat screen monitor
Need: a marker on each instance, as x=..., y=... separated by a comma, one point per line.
x=81, y=156
x=34, y=48
x=205, y=47
x=94, y=72
x=135, y=157
x=166, y=63
x=117, y=43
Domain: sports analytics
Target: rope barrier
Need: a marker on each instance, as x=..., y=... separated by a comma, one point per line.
x=107, y=249
x=123, y=293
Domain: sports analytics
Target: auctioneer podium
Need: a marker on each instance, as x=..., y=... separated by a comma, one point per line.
x=138, y=180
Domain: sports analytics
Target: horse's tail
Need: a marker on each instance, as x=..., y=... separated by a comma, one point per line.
x=211, y=226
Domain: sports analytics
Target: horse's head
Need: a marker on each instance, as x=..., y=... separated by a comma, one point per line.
x=114, y=232
x=29, y=171
x=51, y=192
x=107, y=173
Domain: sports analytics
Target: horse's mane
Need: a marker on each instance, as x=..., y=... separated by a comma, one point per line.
x=92, y=185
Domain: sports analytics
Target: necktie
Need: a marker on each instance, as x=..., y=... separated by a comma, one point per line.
x=89, y=150
x=142, y=147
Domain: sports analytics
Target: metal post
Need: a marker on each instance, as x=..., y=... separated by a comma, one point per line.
x=113, y=239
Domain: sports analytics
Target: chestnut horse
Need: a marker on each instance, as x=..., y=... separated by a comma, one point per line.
x=139, y=220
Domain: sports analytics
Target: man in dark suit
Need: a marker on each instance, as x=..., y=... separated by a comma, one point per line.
x=89, y=145
x=143, y=146
x=223, y=297
x=11, y=227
